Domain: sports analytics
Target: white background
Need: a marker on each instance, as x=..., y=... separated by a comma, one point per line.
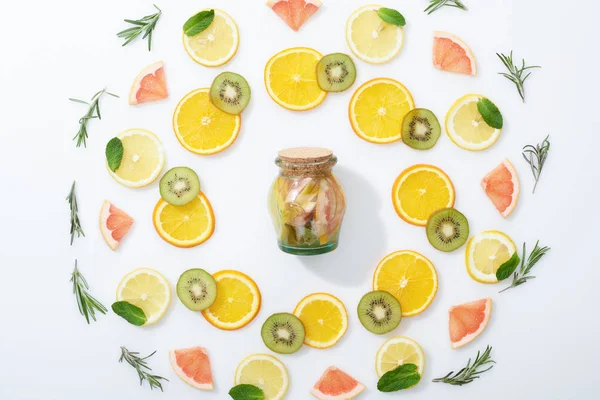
x=544, y=334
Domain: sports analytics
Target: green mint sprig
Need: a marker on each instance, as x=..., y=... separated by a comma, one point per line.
x=246, y=392
x=402, y=377
x=129, y=312
x=391, y=16
x=198, y=23
x=490, y=113
x=114, y=153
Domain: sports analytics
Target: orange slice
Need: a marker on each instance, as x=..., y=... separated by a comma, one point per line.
x=501, y=185
x=150, y=85
x=325, y=319
x=452, y=54
x=294, y=12
x=468, y=320
x=114, y=224
x=421, y=190
x=193, y=367
x=237, y=303
x=336, y=384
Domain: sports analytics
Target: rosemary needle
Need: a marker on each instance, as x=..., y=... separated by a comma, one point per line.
x=515, y=74
x=144, y=25
x=75, y=224
x=471, y=372
x=141, y=366
x=437, y=4
x=536, y=157
x=87, y=304
x=92, y=112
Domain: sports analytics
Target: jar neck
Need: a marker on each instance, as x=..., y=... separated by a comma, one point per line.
x=321, y=168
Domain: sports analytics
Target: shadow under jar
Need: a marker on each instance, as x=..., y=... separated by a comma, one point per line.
x=306, y=202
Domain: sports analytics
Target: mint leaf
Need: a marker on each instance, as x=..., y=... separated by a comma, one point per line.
x=246, y=392
x=198, y=23
x=132, y=314
x=490, y=113
x=402, y=377
x=508, y=267
x=114, y=153
x=391, y=16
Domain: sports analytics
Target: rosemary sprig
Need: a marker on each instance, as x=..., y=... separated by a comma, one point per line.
x=536, y=157
x=437, y=4
x=75, y=224
x=515, y=74
x=522, y=275
x=86, y=303
x=471, y=372
x=145, y=25
x=92, y=112
x=142, y=368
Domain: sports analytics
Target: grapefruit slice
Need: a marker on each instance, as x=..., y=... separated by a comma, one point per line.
x=295, y=12
x=193, y=367
x=501, y=185
x=468, y=320
x=150, y=85
x=114, y=224
x=336, y=384
x=452, y=54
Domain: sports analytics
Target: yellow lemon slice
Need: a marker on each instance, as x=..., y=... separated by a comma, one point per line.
x=397, y=351
x=201, y=127
x=143, y=158
x=486, y=252
x=237, y=303
x=184, y=226
x=217, y=44
x=266, y=372
x=377, y=109
x=147, y=289
x=419, y=191
x=410, y=277
x=291, y=79
x=325, y=319
x=371, y=39
x=465, y=125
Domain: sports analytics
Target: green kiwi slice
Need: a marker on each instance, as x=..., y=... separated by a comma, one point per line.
x=283, y=333
x=179, y=186
x=336, y=72
x=196, y=289
x=447, y=229
x=230, y=92
x=379, y=312
x=421, y=129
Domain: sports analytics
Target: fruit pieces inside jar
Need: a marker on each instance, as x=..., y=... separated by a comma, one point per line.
x=308, y=210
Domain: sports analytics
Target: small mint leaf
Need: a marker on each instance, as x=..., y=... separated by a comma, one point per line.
x=402, y=377
x=490, y=113
x=198, y=23
x=132, y=314
x=246, y=392
x=391, y=16
x=508, y=267
x=114, y=153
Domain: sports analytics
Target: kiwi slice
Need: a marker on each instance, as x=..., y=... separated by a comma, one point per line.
x=179, y=186
x=336, y=72
x=230, y=93
x=421, y=129
x=447, y=229
x=379, y=312
x=283, y=333
x=196, y=289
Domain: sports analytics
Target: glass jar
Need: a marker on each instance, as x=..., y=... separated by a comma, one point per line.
x=306, y=202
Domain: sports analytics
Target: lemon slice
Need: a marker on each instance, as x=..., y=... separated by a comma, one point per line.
x=325, y=319
x=371, y=39
x=486, y=252
x=147, y=289
x=397, y=351
x=266, y=372
x=217, y=44
x=465, y=125
x=143, y=158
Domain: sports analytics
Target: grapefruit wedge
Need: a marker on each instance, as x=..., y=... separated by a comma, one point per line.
x=150, y=85
x=452, y=54
x=501, y=185
x=193, y=367
x=335, y=384
x=294, y=12
x=468, y=320
x=114, y=224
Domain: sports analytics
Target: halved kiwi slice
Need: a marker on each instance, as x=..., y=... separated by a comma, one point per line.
x=421, y=129
x=179, y=186
x=196, y=289
x=283, y=333
x=230, y=93
x=379, y=312
x=447, y=229
x=336, y=72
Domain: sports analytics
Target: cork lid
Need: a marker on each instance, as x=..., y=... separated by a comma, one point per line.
x=305, y=155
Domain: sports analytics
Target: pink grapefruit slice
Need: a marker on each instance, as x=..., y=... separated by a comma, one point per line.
x=150, y=85
x=501, y=185
x=295, y=12
x=193, y=367
x=468, y=320
x=114, y=224
x=452, y=54
x=335, y=384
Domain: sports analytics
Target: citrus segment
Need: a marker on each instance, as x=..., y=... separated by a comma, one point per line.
x=325, y=319
x=294, y=12
x=193, y=367
x=217, y=44
x=114, y=224
x=501, y=185
x=465, y=125
x=486, y=252
x=410, y=278
x=201, y=127
x=335, y=384
x=237, y=303
x=150, y=85
x=421, y=190
x=468, y=320
x=265, y=372
x=452, y=54
x=147, y=289
x=377, y=109
x=397, y=351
